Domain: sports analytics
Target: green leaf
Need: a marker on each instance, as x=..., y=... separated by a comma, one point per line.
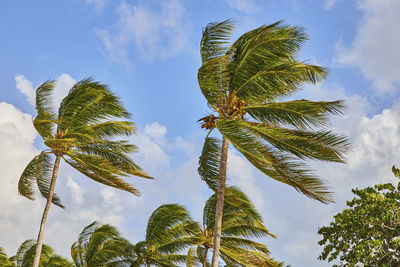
x=39, y=170
x=279, y=166
x=209, y=162
x=301, y=114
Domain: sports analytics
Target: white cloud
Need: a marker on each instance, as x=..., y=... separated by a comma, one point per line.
x=25, y=87
x=99, y=5
x=77, y=190
x=240, y=174
x=155, y=131
x=375, y=48
x=156, y=34
x=330, y=3
x=247, y=6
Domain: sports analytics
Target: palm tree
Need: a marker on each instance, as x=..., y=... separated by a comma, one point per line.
x=240, y=221
x=5, y=261
x=101, y=245
x=243, y=85
x=26, y=253
x=169, y=231
x=83, y=132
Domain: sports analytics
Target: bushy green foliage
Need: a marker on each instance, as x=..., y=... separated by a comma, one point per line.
x=368, y=231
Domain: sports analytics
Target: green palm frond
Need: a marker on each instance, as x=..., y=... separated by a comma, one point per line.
x=89, y=103
x=26, y=253
x=166, y=218
x=101, y=245
x=191, y=258
x=216, y=36
x=5, y=261
x=321, y=145
x=264, y=57
x=301, y=114
x=38, y=171
x=99, y=170
x=213, y=79
x=240, y=217
x=277, y=81
x=209, y=162
x=279, y=166
x=46, y=117
x=170, y=230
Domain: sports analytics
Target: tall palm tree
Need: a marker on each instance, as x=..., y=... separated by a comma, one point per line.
x=84, y=134
x=26, y=253
x=244, y=84
x=101, y=245
x=168, y=232
x=240, y=221
x=5, y=261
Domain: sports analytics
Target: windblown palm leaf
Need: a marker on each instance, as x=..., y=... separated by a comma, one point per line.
x=240, y=222
x=168, y=233
x=5, y=261
x=26, y=253
x=244, y=85
x=85, y=132
x=101, y=245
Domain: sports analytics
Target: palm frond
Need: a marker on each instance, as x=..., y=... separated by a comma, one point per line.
x=209, y=162
x=320, y=145
x=46, y=117
x=270, y=49
x=89, y=102
x=98, y=174
x=163, y=219
x=38, y=171
x=215, y=39
x=279, y=166
x=301, y=114
x=280, y=80
x=234, y=241
x=191, y=259
x=101, y=245
x=213, y=78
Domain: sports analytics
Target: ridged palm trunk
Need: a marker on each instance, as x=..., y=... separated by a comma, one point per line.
x=39, y=241
x=220, y=201
x=205, y=257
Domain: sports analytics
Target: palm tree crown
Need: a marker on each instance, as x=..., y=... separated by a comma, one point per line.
x=240, y=222
x=26, y=254
x=244, y=85
x=169, y=231
x=84, y=133
x=101, y=245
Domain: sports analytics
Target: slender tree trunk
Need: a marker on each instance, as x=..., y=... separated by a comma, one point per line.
x=205, y=257
x=39, y=241
x=220, y=201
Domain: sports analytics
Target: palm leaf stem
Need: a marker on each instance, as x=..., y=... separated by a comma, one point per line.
x=39, y=242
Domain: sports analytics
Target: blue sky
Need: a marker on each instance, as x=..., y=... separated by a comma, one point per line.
x=148, y=53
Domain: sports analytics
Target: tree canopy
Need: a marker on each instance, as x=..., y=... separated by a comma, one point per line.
x=368, y=231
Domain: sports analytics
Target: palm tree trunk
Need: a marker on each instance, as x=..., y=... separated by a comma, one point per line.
x=220, y=201
x=205, y=257
x=39, y=241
